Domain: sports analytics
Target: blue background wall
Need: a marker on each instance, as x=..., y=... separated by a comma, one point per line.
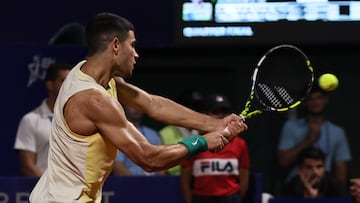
x=36, y=21
x=164, y=69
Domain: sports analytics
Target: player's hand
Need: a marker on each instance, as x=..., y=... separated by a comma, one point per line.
x=234, y=128
x=216, y=141
x=228, y=119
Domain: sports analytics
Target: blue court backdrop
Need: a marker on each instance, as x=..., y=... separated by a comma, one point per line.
x=125, y=189
x=22, y=89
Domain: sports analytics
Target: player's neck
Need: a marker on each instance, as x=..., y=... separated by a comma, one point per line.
x=97, y=71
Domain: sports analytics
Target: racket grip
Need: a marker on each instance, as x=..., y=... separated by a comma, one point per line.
x=226, y=130
x=242, y=117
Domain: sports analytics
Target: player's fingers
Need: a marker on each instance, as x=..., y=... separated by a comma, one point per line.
x=221, y=142
x=224, y=142
x=234, y=128
x=233, y=118
x=244, y=126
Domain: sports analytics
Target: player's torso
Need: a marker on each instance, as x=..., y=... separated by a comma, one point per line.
x=78, y=165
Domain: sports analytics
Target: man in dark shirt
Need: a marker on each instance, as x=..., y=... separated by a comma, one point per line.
x=312, y=180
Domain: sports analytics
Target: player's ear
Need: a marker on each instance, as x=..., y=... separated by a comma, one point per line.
x=116, y=45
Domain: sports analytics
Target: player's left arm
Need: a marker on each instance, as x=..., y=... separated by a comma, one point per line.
x=168, y=111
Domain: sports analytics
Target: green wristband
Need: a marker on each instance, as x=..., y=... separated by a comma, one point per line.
x=195, y=144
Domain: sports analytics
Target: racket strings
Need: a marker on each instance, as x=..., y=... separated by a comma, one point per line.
x=277, y=96
x=282, y=78
x=280, y=81
x=285, y=95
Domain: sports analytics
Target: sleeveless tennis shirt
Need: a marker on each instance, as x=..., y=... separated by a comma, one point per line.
x=77, y=165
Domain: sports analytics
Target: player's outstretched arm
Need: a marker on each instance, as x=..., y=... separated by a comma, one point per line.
x=93, y=111
x=168, y=111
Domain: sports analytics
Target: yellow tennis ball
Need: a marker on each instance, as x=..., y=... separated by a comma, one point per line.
x=328, y=82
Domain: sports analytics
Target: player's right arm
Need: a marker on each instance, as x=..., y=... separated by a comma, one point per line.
x=92, y=111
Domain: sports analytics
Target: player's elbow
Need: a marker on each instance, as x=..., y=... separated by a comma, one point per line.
x=149, y=164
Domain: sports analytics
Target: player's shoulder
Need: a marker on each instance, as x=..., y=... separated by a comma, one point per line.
x=91, y=96
x=93, y=102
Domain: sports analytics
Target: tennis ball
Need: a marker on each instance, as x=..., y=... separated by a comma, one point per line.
x=328, y=82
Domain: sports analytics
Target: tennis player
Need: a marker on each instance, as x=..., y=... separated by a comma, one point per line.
x=89, y=124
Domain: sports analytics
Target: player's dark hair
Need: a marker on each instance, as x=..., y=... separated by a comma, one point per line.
x=310, y=153
x=103, y=28
x=53, y=70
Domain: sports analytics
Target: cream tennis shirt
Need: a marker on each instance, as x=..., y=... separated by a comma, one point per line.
x=77, y=165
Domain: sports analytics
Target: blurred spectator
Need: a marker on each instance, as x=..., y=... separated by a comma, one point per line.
x=355, y=189
x=312, y=180
x=314, y=129
x=32, y=138
x=171, y=134
x=123, y=164
x=69, y=34
x=220, y=177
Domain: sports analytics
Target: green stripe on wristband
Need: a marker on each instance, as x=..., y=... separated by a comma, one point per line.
x=195, y=144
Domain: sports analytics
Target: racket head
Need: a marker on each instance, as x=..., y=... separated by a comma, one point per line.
x=281, y=80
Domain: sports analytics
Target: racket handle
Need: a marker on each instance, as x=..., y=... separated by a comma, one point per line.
x=226, y=130
x=242, y=117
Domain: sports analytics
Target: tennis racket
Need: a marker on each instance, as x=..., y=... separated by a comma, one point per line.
x=280, y=81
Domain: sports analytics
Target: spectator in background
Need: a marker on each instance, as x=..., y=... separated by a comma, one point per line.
x=221, y=177
x=355, y=189
x=171, y=134
x=123, y=164
x=32, y=138
x=312, y=180
x=315, y=130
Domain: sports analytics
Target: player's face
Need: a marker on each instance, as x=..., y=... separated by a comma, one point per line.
x=127, y=56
